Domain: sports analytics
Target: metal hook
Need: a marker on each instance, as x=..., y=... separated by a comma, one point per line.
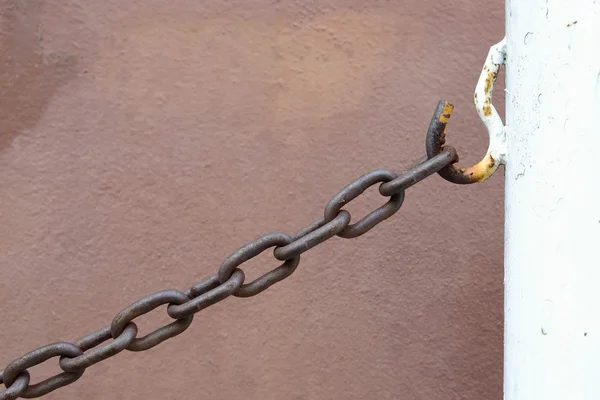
x=496, y=154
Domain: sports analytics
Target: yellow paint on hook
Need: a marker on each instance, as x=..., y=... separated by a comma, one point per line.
x=446, y=114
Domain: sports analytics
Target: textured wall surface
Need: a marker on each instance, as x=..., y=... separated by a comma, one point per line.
x=141, y=142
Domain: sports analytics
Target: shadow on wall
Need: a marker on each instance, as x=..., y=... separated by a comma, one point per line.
x=28, y=77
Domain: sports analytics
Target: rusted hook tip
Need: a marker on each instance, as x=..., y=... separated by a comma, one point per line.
x=436, y=137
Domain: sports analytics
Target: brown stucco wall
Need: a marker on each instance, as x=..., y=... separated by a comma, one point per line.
x=144, y=141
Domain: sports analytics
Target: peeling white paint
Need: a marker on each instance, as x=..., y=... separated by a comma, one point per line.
x=552, y=266
x=483, y=101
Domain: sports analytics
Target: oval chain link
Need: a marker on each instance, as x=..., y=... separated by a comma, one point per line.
x=251, y=250
x=355, y=189
x=144, y=306
x=101, y=353
x=36, y=357
x=308, y=238
x=420, y=172
x=207, y=295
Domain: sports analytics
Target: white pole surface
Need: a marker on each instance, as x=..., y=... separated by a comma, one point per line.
x=552, y=259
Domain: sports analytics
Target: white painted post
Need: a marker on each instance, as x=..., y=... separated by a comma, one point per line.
x=552, y=259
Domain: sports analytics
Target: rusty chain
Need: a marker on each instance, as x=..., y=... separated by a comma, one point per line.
x=121, y=334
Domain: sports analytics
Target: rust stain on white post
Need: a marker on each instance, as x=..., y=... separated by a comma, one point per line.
x=483, y=102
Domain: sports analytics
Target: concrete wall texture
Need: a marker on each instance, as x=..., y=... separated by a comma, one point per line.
x=142, y=142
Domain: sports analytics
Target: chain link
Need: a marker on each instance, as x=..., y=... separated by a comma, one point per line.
x=144, y=306
x=355, y=189
x=92, y=340
x=76, y=357
x=36, y=357
x=313, y=235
